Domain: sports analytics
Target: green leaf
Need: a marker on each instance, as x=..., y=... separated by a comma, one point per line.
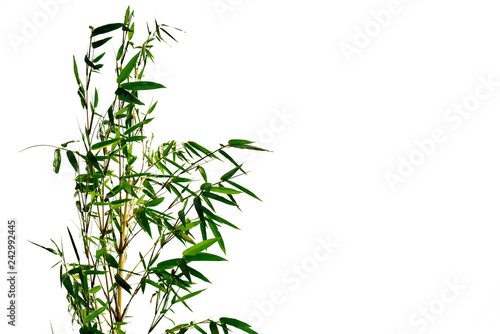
x=101, y=42
x=224, y=190
x=233, y=142
x=57, y=160
x=136, y=126
x=199, y=208
x=72, y=160
x=213, y=328
x=106, y=28
x=126, y=96
x=250, y=147
x=204, y=257
x=121, y=282
x=216, y=233
x=46, y=248
x=141, y=85
x=105, y=143
x=199, y=148
x=168, y=264
x=135, y=138
x=125, y=73
x=111, y=261
x=218, y=198
x=154, y=202
x=100, y=253
x=199, y=247
x=184, y=268
x=230, y=174
x=74, y=245
x=119, y=53
x=238, y=324
x=95, y=289
x=94, y=314
x=143, y=222
x=199, y=329
x=243, y=189
x=189, y=295
x=75, y=70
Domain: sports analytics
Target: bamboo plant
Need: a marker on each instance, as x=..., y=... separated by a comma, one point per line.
x=128, y=191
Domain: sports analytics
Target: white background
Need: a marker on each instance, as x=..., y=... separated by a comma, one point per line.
x=344, y=123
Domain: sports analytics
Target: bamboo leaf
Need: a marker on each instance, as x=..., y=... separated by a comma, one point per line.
x=224, y=190
x=204, y=257
x=101, y=42
x=141, y=85
x=106, y=28
x=199, y=247
x=189, y=295
x=75, y=70
x=233, y=142
x=105, y=143
x=243, y=189
x=74, y=245
x=213, y=328
x=126, y=96
x=238, y=324
x=111, y=261
x=94, y=314
x=125, y=73
x=57, y=160
x=123, y=283
x=72, y=160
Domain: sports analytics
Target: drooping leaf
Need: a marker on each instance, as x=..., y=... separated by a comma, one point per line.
x=111, y=261
x=141, y=85
x=57, y=160
x=126, y=96
x=243, y=189
x=123, y=283
x=213, y=328
x=238, y=324
x=72, y=160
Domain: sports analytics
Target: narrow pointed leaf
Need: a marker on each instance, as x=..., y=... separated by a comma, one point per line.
x=72, y=160
x=101, y=42
x=94, y=314
x=106, y=28
x=123, y=283
x=125, y=73
x=199, y=247
x=141, y=85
